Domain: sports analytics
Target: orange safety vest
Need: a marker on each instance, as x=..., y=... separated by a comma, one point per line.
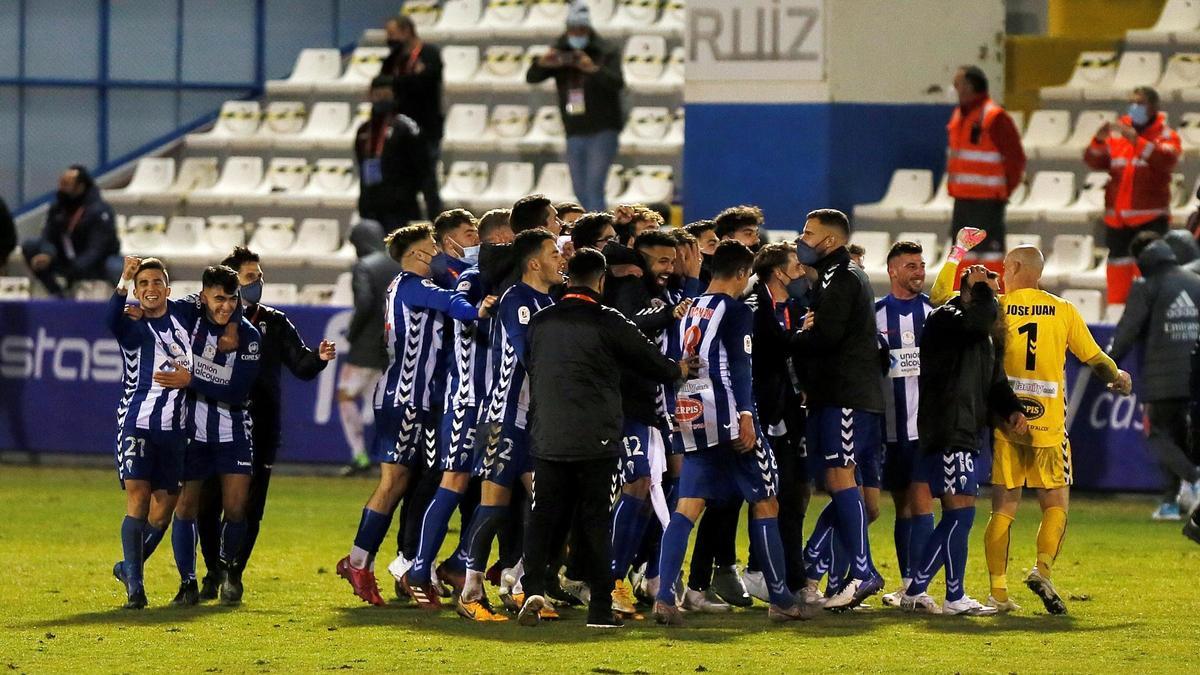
x=974, y=164
x=1138, y=191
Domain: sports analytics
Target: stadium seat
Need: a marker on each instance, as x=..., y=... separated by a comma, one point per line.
x=508, y=125
x=673, y=18
x=424, y=13
x=225, y=232
x=546, y=132
x=1180, y=213
x=332, y=185
x=877, y=245
x=1181, y=78
x=1089, y=302
x=618, y=178
x=465, y=181
x=182, y=289
x=1135, y=69
x=1012, y=241
x=675, y=135
x=671, y=79
x=460, y=64
x=316, y=295
x=280, y=294
x=312, y=66
x=1093, y=70
x=1087, y=207
x=1189, y=133
x=362, y=113
x=1112, y=314
x=280, y=120
x=237, y=119
x=317, y=241
x=555, y=182
x=936, y=210
x=1177, y=17
x=929, y=241
x=467, y=128
x=646, y=130
x=239, y=176
x=510, y=181
x=285, y=176
x=144, y=235
x=458, y=19
x=503, y=69
x=15, y=288
x=502, y=16
x=602, y=13
x=150, y=175
x=1086, y=126
x=92, y=290
x=1047, y=129
x=1049, y=190
x=343, y=293
x=363, y=66
x=1018, y=118
x=195, y=173
x=1095, y=276
x=327, y=123
x=650, y=184
x=645, y=59
x=187, y=241
x=1069, y=254
x=908, y=187
x=1178, y=196
x=273, y=234
x=633, y=16
x=545, y=18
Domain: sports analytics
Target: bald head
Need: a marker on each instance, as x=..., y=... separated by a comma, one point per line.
x=1023, y=267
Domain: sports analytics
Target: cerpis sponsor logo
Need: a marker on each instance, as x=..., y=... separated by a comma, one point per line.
x=687, y=410
x=1032, y=408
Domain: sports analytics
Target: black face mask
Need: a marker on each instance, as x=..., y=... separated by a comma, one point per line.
x=381, y=108
x=68, y=199
x=397, y=45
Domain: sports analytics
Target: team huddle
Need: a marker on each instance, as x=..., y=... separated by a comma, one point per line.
x=534, y=363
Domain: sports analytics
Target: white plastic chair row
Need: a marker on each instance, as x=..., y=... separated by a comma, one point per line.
x=476, y=186
x=290, y=181
x=505, y=19
x=511, y=128
x=1051, y=136
x=1101, y=76
x=191, y=239
x=1178, y=24
x=320, y=71
x=282, y=125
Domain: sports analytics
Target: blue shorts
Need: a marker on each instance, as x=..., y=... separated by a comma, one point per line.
x=636, y=440
x=899, y=463
x=403, y=436
x=720, y=473
x=948, y=473
x=152, y=455
x=207, y=459
x=506, y=457
x=842, y=437
x=457, y=439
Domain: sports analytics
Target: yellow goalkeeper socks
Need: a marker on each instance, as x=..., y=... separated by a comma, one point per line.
x=995, y=547
x=1050, y=537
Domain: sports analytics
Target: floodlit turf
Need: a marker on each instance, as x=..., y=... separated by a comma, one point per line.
x=1131, y=587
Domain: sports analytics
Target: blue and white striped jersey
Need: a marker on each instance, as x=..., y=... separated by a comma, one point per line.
x=221, y=382
x=509, y=403
x=900, y=322
x=471, y=363
x=148, y=346
x=414, y=330
x=719, y=329
x=668, y=344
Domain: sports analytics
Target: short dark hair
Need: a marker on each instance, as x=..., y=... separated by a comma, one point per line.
x=772, y=256
x=735, y=218
x=527, y=245
x=82, y=176
x=586, y=267
x=975, y=76
x=855, y=249
x=529, y=212
x=1150, y=93
x=491, y=221
x=404, y=21
x=731, y=258
x=569, y=207
x=401, y=238
x=651, y=238
x=962, y=279
x=682, y=237
x=221, y=276
x=588, y=227
x=448, y=221
x=830, y=218
x=238, y=257
x=1141, y=241
x=382, y=82
x=699, y=227
x=152, y=264
x=904, y=248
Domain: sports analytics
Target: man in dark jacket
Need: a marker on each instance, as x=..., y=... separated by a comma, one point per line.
x=1163, y=317
x=80, y=238
x=839, y=346
x=587, y=73
x=281, y=345
x=393, y=160
x=574, y=348
x=415, y=67
x=962, y=388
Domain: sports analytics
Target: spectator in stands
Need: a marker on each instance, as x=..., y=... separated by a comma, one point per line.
x=1139, y=151
x=1162, y=317
x=587, y=72
x=8, y=235
x=856, y=253
x=416, y=70
x=985, y=164
x=80, y=238
x=392, y=161
x=371, y=275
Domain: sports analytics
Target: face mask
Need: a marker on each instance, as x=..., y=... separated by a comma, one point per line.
x=798, y=287
x=1138, y=114
x=807, y=254
x=577, y=42
x=381, y=108
x=66, y=198
x=252, y=293
x=471, y=255
x=396, y=44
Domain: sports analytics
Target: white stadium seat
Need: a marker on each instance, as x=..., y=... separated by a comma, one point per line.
x=273, y=234
x=1178, y=16
x=1095, y=276
x=1180, y=213
x=458, y=18
x=646, y=130
x=317, y=236
x=510, y=182
x=1086, y=126
x=1182, y=76
x=644, y=60
x=673, y=18
x=1112, y=314
x=508, y=126
x=618, y=179
x=195, y=173
x=1048, y=190
x=280, y=120
x=465, y=181
x=285, y=176
x=1178, y=196
x=237, y=119
x=546, y=132
x=555, y=182
x=186, y=239
x=313, y=66
x=239, y=176
x=651, y=184
x=937, y=210
x=327, y=121
x=460, y=65
x=15, y=288
x=877, y=245
x=1047, y=129
x=316, y=295
x=332, y=184
x=467, y=127
x=1069, y=254
x=1012, y=241
x=602, y=13
x=501, y=16
x=144, y=235
x=675, y=135
x=363, y=66
x=634, y=16
x=1093, y=70
x=1189, y=133
x=424, y=13
x=150, y=175
x=1135, y=69
x=280, y=294
x=907, y=188
x=181, y=288
x=362, y=113
x=225, y=232
x=929, y=242
x=343, y=293
x=1089, y=302
x=545, y=17
x=503, y=69
x=1087, y=207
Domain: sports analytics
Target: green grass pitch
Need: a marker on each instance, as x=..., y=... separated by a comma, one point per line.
x=1131, y=587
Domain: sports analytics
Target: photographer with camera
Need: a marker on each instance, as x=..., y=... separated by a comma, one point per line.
x=587, y=72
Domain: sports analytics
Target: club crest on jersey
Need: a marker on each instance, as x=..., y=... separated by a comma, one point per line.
x=748, y=344
x=657, y=303
x=175, y=349
x=210, y=351
x=908, y=338
x=252, y=347
x=523, y=315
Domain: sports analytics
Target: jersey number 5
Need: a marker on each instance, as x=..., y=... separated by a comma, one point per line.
x=1029, y=330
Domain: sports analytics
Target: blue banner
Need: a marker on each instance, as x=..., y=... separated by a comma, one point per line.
x=60, y=381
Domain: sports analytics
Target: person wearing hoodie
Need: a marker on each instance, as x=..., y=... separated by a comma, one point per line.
x=1186, y=248
x=587, y=74
x=1162, y=316
x=79, y=240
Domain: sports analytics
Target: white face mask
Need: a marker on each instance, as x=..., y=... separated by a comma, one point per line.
x=471, y=254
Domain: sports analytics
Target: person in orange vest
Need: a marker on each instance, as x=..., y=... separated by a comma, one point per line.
x=1138, y=151
x=985, y=163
